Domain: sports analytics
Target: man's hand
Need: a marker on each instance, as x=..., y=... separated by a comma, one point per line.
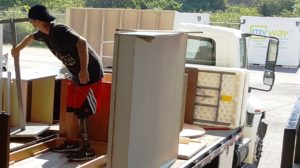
x=15, y=52
x=84, y=76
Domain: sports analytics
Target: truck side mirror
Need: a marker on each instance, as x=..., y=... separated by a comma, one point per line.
x=271, y=59
x=272, y=54
x=269, y=78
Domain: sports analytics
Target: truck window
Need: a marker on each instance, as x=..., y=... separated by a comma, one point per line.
x=200, y=51
x=243, y=53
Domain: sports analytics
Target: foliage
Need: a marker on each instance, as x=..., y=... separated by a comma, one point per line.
x=156, y=4
x=202, y=5
x=222, y=11
x=287, y=13
x=58, y=4
x=22, y=29
x=231, y=16
x=138, y=4
x=296, y=8
x=108, y=3
x=274, y=7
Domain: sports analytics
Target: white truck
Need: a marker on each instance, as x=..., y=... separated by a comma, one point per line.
x=226, y=47
x=222, y=47
x=285, y=29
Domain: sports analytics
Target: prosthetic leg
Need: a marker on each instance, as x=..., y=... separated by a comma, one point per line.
x=84, y=132
x=85, y=153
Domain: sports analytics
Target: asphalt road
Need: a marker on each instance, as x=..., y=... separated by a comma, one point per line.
x=278, y=102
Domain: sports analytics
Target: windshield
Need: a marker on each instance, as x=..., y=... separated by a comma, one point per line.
x=201, y=51
x=243, y=53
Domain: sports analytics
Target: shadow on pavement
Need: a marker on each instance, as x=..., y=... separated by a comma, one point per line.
x=277, y=69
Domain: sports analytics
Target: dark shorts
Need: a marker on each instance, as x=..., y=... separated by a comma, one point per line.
x=82, y=100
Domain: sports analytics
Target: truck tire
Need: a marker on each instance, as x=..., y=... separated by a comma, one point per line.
x=261, y=132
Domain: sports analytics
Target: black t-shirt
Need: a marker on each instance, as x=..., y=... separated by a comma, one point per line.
x=62, y=43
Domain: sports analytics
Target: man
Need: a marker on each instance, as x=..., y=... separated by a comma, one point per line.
x=84, y=65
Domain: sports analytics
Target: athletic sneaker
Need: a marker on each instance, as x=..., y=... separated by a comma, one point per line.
x=66, y=147
x=82, y=154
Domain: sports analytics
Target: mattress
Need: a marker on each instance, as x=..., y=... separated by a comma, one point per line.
x=220, y=96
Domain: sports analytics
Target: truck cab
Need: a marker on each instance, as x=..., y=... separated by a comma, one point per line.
x=216, y=46
x=227, y=47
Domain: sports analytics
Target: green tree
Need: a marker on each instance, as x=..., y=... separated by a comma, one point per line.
x=202, y=5
x=139, y=4
x=108, y=3
x=231, y=16
x=156, y=4
x=274, y=7
x=296, y=8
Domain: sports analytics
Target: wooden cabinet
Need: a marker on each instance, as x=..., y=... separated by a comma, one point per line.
x=146, y=103
x=37, y=96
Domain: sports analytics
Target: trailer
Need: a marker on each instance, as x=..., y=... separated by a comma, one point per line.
x=285, y=29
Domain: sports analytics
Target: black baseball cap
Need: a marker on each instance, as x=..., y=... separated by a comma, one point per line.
x=40, y=12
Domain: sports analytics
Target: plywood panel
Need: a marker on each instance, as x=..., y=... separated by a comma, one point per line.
x=149, y=19
x=93, y=28
x=124, y=89
x=100, y=121
x=42, y=100
x=97, y=124
x=75, y=17
x=15, y=119
x=111, y=23
x=63, y=108
x=108, y=49
x=190, y=94
x=130, y=19
x=146, y=102
x=166, y=20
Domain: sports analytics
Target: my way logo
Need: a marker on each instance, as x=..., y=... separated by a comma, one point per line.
x=264, y=30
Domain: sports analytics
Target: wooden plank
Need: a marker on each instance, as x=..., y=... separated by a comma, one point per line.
x=108, y=49
x=186, y=151
x=75, y=17
x=32, y=130
x=190, y=94
x=148, y=20
x=93, y=33
x=99, y=162
x=100, y=121
x=15, y=111
x=191, y=131
x=22, y=114
x=100, y=148
x=63, y=109
x=166, y=20
x=148, y=80
x=29, y=151
x=112, y=21
x=42, y=100
x=130, y=19
x=37, y=155
x=184, y=91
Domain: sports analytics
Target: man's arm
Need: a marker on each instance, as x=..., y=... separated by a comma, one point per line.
x=84, y=59
x=15, y=52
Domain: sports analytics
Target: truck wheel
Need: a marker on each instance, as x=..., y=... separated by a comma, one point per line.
x=261, y=132
x=258, y=151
